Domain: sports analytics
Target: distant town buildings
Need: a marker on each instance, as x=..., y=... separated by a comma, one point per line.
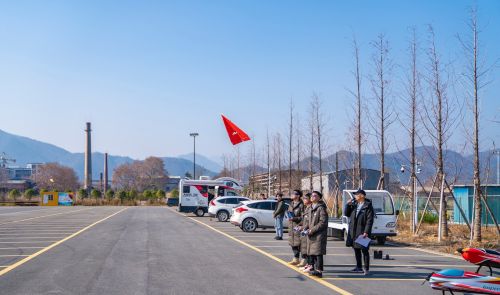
x=18, y=177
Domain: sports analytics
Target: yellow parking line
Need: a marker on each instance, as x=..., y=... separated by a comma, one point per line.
x=23, y=261
x=37, y=217
x=322, y=282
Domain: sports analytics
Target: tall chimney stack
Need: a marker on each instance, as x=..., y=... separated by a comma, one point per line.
x=105, y=173
x=88, y=159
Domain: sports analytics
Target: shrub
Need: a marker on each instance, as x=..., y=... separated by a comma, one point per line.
x=429, y=217
x=95, y=193
x=174, y=193
x=29, y=193
x=110, y=194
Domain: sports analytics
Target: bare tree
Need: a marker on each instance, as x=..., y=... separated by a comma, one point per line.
x=412, y=86
x=53, y=176
x=311, y=126
x=439, y=121
x=277, y=152
x=268, y=151
x=298, y=135
x=290, y=146
x=475, y=73
x=380, y=87
x=357, y=122
x=318, y=130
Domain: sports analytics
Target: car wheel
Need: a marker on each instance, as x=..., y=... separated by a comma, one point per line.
x=199, y=212
x=249, y=225
x=222, y=215
x=381, y=240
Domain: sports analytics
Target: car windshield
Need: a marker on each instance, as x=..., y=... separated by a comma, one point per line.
x=381, y=202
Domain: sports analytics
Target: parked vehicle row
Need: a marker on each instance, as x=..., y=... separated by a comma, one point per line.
x=221, y=198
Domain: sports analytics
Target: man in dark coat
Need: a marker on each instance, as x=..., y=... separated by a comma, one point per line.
x=361, y=215
x=317, y=233
x=295, y=211
x=278, y=216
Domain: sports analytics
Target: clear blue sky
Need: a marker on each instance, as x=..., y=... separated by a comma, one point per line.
x=146, y=73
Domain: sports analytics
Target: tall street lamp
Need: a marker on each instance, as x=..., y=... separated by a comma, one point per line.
x=194, y=153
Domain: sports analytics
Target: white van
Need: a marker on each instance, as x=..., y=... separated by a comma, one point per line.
x=384, y=224
x=195, y=195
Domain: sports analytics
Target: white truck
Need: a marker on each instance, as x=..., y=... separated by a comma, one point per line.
x=384, y=224
x=195, y=195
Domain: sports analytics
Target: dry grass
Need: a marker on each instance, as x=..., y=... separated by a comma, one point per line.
x=458, y=237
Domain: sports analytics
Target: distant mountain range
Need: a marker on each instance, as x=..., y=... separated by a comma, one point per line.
x=457, y=166
x=26, y=150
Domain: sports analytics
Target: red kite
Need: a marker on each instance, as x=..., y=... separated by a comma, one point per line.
x=236, y=135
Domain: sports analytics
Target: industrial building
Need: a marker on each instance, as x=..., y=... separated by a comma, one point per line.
x=465, y=198
x=370, y=178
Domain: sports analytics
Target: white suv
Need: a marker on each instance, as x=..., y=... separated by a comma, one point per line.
x=222, y=207
x=255, y=214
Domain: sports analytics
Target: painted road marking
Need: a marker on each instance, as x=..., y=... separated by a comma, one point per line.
x=13, y=255
x=37, y=217
x=26, y=259
x=33, y=242
x=20, y=248
x=373, y=279
x=322, y=282
x=44, y=233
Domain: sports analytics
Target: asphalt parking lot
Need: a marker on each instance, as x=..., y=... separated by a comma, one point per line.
x=406, y=270
x=156, y=250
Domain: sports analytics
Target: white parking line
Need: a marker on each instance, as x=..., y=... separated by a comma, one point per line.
x=33, y=242
x=38, y=237
x=38, y=217
x=20, y=248
x=13, y=255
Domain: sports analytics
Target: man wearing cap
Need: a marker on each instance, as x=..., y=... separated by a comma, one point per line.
x=361, y=214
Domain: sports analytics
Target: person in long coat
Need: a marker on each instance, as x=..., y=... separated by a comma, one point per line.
x=361, y=215
x=317, y=233
x=294, y=215
x=305, y=264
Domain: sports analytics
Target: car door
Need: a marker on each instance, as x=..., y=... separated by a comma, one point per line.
x=266, y=210
x=231, y=203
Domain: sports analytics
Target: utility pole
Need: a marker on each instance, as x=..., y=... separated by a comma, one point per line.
x=194, y=134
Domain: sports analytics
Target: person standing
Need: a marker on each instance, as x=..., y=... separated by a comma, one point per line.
x=361, y=215
x=306, y=264
x=295, y=211
x=317, y=233
x=278, y=215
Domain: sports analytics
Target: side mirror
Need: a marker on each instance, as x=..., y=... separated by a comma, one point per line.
x=397, y=212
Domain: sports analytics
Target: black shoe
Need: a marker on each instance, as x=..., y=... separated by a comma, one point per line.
x=316, y=273
x=357, y=270
x=276, y=237
x=279, y=238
